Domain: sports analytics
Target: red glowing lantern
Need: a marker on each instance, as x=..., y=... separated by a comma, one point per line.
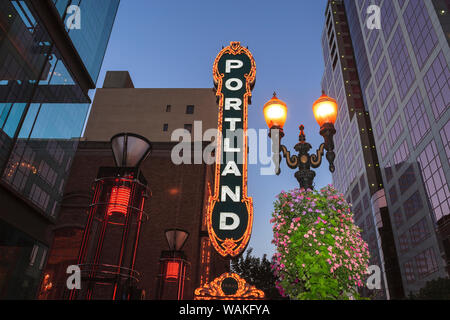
x=119, y=199
x=172, y=270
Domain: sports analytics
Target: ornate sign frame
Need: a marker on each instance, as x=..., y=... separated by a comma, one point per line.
x=213, y=290
x=234, y=74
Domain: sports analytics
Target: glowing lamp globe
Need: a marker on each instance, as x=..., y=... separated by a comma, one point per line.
x=275, y=112
x=325, y=110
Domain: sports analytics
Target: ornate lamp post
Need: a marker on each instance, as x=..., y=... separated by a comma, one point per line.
x=325, y=112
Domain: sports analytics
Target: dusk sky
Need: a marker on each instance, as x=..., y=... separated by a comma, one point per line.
x=173, y=44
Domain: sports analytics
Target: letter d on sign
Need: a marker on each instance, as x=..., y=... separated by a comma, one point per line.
x=223, y=221
x=74, y=280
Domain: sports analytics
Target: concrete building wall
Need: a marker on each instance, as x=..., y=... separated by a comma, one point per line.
x=145, y=111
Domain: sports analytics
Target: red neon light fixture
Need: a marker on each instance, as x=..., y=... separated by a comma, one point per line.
x=114, y=223
x=173, y=266
x=119, y=199
x=172, y=270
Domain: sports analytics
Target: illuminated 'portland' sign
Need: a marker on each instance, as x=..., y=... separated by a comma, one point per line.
x=230, y=211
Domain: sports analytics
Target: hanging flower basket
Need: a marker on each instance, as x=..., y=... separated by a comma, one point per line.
x=320, y=253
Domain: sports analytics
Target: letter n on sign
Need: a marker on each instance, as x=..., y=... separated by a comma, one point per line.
x=230, y=210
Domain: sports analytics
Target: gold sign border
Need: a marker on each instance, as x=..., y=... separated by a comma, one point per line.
x=213, y=290
x=231, y=246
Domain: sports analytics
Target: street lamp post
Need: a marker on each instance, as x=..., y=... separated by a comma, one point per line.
x=325, y=112
x=108, y=250
x=173, y=264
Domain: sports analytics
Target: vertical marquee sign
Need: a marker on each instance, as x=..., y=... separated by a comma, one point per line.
x=230, y=210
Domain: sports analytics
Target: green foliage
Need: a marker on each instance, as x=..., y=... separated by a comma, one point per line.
x=257, y=272
x=320, y=253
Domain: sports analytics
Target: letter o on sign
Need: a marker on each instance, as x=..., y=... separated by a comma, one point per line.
x=237, y=84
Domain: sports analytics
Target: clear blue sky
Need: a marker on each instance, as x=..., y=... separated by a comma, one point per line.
x=172, y=44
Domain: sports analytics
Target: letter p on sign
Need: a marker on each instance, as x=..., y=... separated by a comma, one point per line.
x=233, y=64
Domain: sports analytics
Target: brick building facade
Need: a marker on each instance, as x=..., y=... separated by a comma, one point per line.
x=179, y=195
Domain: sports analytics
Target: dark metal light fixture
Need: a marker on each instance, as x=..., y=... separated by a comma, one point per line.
x=325, y=111
x=130, y=149
x=176, y=238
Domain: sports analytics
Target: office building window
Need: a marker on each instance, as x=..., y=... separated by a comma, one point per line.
x=371, y=91
x=401, y=154
x=188, y=127
x=373, y=246
x=426, y=263
x=377, y=54
x=388, y=172
x=419, y=232
x=407, y=179
x=386, y=90
x=395, y=131
x=355, y=192
x=383, y=149
x=409, y=272
x=366, y=201
x=393, y=194
x=445, y=135
x=379, y=128
x=39, y=197
x=372, y=40
x=403, y=242
x=362, y=182
x=389, y=15
x=435, y=181
x=420, y=29
x=398, y=217
x=412, y=205
x=168, y=108
x=379, y=75
x=190, y=109
x=437, y=85
x=165, y=127
x=390, y=110
x=416, y=117
x=357, y=212
x=369, y=222
x=401, y=63
x=375, y=110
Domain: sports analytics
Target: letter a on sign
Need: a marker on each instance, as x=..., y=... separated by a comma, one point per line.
x=230, y=210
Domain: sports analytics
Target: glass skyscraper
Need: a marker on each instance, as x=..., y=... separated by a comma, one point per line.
x=397, y=78
x=51, y=52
